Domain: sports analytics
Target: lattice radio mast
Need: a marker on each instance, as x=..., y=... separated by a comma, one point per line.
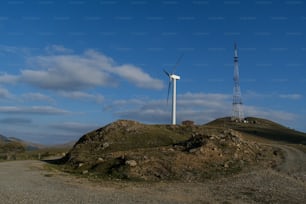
x=237, y=114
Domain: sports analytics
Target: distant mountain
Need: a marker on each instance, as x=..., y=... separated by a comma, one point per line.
x=14, y=142
x=4, y=139
x=67, y=145
x=28, y=145
x=10, y=146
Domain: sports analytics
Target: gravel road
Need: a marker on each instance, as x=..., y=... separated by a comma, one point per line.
x=28, y=182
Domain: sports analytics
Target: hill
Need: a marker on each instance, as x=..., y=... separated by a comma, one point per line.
x=12, y=148
x=262, y=128
x=134, y=151
x=4, y=139
x=28, y=146
x=9, y=148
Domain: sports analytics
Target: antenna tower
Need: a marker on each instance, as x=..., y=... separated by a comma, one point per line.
x=237, y=114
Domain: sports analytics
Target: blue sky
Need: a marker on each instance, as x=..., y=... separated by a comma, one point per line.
x=68, y=67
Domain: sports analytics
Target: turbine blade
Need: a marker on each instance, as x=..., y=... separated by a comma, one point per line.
x=177, y=62
x=167, y=73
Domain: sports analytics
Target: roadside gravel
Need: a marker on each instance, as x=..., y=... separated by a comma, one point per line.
x=28, y=182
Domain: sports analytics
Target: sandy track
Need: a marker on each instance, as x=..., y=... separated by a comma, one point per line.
x=27, y=182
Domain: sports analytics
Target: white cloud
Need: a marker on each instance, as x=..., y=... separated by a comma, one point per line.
x=37, y=97
x=55, y=49
x=68, y=72
x=274, y=115
x=5, y=94
x=8, y=79
x=255, y=95
x=45, y=110
x=80, y=128
x=16, y=121
x=129, y=102
x=199, y=107
x=65, y=72
x=136, y=76
x=15, y=50
x=98, y=98
x=203, y=100
x=290, y=96
x=147, y=115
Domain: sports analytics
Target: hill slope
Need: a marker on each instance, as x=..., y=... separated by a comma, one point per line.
x=262, y=128
x=131, y=150
x=125, y=135
x=4, y=139
x=9, y=147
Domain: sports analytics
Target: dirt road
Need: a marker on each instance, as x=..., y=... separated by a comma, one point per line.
x=295, y=163
x=284, y=184
x=28, y=182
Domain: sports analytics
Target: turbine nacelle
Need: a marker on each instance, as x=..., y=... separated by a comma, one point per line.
x=176, y=77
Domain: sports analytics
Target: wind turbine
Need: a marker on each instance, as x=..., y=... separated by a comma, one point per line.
x=172, y=80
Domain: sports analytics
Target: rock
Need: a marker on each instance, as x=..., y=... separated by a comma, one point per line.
x=193, y=150
x=131, y=163
x=226, y=165
x=241, y=162
x=85, y=172
x=105, y=145
x=222, y=136
x=100, y=159
x=81, y=164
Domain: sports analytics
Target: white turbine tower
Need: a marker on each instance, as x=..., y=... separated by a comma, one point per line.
x=172, y=80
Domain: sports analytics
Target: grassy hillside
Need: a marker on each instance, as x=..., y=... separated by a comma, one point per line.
x=131, y=150
x=262, y=128
x=126, y=135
